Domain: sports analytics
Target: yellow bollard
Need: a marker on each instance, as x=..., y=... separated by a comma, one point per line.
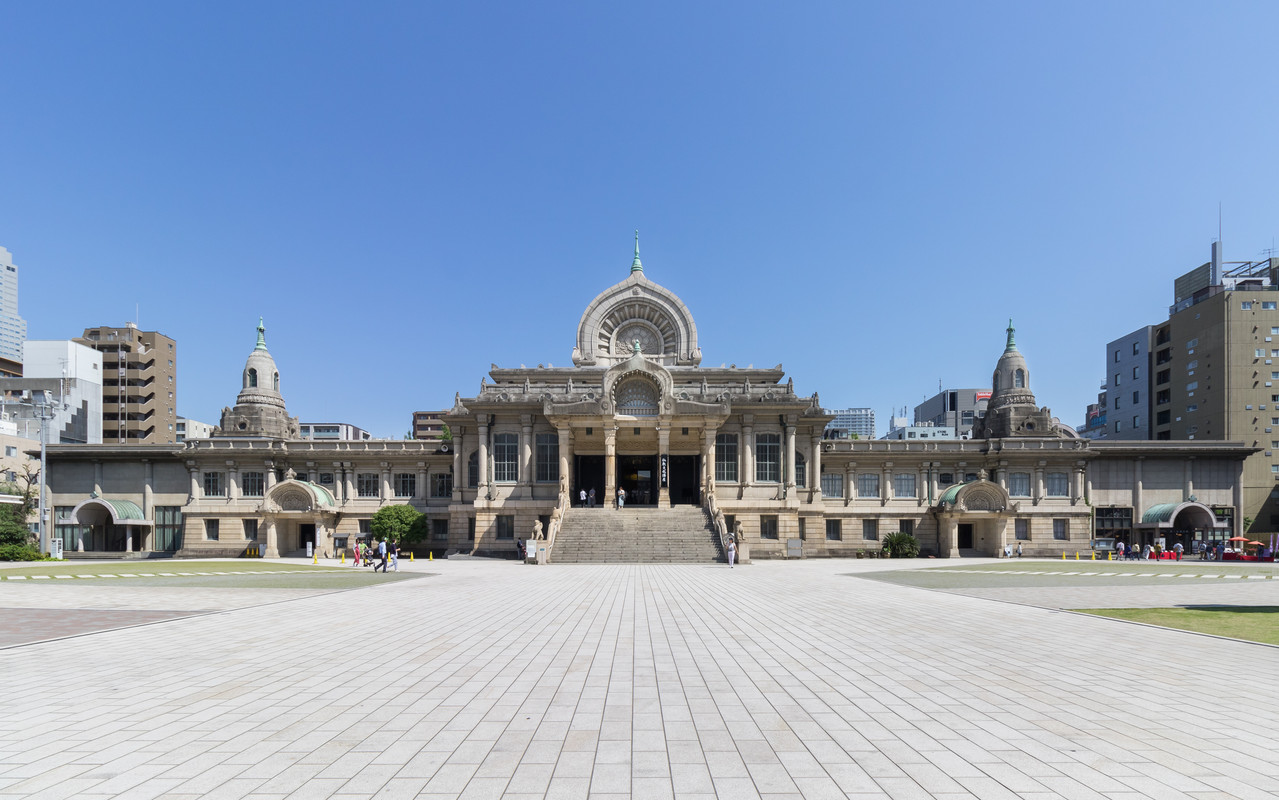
x=1076, y=555
x=1109, y=553
x=315, y=556
x=411, y=559
x=430, y=555
x=343, y=556
x=1063, y=555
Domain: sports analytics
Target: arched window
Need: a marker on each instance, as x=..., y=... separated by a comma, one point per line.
x=637, y=398
x=473, y=470
x=995, y=382
x=1019, y=379
x=277, y=381
x=253, y=378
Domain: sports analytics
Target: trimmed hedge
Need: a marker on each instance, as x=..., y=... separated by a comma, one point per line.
x=21, y=552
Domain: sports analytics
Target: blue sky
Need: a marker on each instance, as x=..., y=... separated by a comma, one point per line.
x=864, y=193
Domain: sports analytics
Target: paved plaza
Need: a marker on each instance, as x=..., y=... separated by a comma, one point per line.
x=487, y=679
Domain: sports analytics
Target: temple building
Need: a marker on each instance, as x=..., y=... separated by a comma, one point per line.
x=694, y=452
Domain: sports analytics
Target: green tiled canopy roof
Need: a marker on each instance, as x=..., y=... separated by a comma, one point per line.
x=1159, y=513
x=124, y=509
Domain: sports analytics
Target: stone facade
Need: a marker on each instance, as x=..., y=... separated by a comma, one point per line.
x=637, y=411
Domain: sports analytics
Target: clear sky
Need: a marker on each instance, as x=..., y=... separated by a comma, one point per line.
x=407, y=192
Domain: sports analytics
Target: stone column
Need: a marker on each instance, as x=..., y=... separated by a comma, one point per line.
x=791, y=484
x=933, y=488
x=663, y=452
x=526, y=455
x=886, y=489
x=148, y=504
x=1038, y=488
x=610, y=465
x=815, y=469
x=850, y=482
x=484, y=458
x=384, y=494
x=566, y=460
x=1076, y=483
x=422, y=494
x=233, y=482
x=97, y=478
x=272, y=537
x=708, y=461
x=748, y=451
x=922, y=483
x=1137, y=508
x=1000, y=531
x=195, y=482
x=270, y=473
x=459, y=480
x=338, y=495
x=948, y=536
x=348, y=492
x=1190, y=477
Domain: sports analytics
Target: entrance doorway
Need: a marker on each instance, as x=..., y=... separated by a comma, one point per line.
x=590, y=475
x=306, y=534
x=965, y=536
x=683, y=480
x=637, y=475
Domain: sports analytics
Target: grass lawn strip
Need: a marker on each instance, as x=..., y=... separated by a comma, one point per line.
x=191, y=568
x=1249, y=623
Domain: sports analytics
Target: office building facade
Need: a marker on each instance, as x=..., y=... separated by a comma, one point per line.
x=953, y=408
x=13, y=328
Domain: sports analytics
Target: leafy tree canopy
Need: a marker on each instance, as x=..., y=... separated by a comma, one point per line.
x=393, y=522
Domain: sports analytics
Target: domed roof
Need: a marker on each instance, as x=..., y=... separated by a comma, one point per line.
x=637, y=310
x=1011, y=382
x=260, y=383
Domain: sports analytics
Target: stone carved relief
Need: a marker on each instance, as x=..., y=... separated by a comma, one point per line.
x=294, y=500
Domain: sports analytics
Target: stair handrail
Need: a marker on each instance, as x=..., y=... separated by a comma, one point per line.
x=718, y=522
x=557, y=518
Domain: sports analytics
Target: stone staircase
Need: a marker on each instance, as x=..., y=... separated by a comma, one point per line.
x=682, y=534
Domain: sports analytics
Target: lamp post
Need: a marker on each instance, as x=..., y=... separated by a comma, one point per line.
x=42, y=405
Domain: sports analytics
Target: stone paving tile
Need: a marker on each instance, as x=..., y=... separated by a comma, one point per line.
x=775, y=680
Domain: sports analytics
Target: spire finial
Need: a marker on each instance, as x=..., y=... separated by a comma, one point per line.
x=261, y=345
x=1012, y=344
x=636, y=266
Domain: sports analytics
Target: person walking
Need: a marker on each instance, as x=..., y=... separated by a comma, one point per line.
x=732, y=550
x=591, y=497
x=395, y=556
x=1178, y=549
x=1019, y=549
x=381, y=551
x=621, y=498
x=582, y=499
x=356, y=551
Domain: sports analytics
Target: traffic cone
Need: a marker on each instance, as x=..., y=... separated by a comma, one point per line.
x=1063, y=555
x=1076, y=555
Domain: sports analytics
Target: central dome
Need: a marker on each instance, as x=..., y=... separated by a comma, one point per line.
x=637, y=310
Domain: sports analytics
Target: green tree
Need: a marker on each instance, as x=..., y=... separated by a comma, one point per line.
x=901, y=545
x=446, y=434
x=418, y=531
x=393, y=522
x=13, y=528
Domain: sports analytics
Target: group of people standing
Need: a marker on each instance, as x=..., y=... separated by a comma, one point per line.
x=586, y=499
x=366, y=552
x=1133, y=552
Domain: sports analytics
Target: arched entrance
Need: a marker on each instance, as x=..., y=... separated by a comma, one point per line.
x=111, y=526
x=1184, y=523
x=972, y=519
x=297, y=513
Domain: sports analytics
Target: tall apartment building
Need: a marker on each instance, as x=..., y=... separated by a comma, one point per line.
x=13, y=328
x=139, y=384
x=1128, y=386
x=1213, y=374
x=953, y=408
x=428, y=425
x=859, y=421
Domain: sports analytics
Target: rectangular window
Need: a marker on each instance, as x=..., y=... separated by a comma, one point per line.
x=405, y=484
x=168, y=528
x=1117, y=403
x=768, y=458
x=802, y=534
x=506, y=467
x=1110, y=521
x=548, y=458
x=946, y=478
x=833, y=484
x=768, y=527
x=326, y=478
x=10, y=451
x=1116, y=356
x=470, y=529
x=211, y=530
x=1134, y=371
x=834, y=530
x=1259, y=353
x=250, y=529
x=213, y=485
x=726, y=458
x=1163, y=397
x=1019, y=484
x=870, y=530
x=1060, y=529
x=1022, y=528
x=1057, y=484
x=366, y=526
x=1192, y=343
x=1136, y=348
x=907, y=526
x=252, y=484
x=366, y=484
x=868, y=485
x=442, y=484
x=1190, y=387
x=473, y=470
x=1136, y=398
x=904, y=484
x=1136, y=422
x=1267, y=305
x=1246, y=305
x=1164, y=417
x=506, y=526
x=439, y=530
x=1116, y=378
